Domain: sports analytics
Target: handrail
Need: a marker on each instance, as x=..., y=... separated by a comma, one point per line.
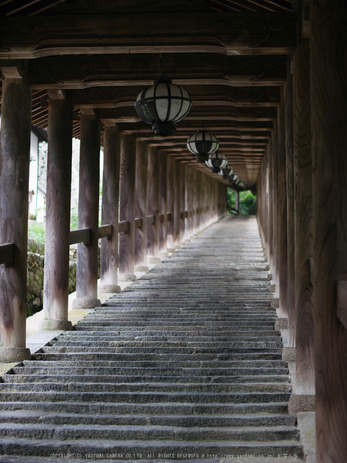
x=80, y=236
x=150, y=219
x=138, y=223
x=7, y=254
x=123, y=227
x=106, y=231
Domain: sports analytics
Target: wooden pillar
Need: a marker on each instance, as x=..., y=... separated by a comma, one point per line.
x=182, y=173
x=304, y=305
x=88, y=214
x=329, y=161
x=57, y=244
x=177, y=203
x=110, y=201
x=194, y=183
x=281, y=248
x=153, y=205
x=163, y=193
x=141, y=205
x=170, y=203
x=289, y=118
x=275, y=219
x=14, y=179
x=127, y=207
x=189, y=181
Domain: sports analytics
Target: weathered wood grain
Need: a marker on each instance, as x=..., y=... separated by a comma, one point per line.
x=153, y=201
x=163, y=202
x=304, y=303
x=127, y=204
x=289, y=119
x=14, y=179
x=282, y=211
x=328, y=66
x=176, y=202
x=182, y=194
x=88, y=210
x=110, y=201
x=170, y=202
x=56, y=276
x=141, y=202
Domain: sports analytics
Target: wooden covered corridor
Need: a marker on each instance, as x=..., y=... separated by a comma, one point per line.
x=267, y=78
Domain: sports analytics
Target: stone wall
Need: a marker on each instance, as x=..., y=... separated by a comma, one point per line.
x=36, y=259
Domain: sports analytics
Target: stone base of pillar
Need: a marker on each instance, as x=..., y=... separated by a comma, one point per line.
x=163, y=254
x=281, y=324
x=110, y=289
x=14, y=354
x=141, y=268
x=153, y=260
x=275, y=303
x=272, y=288
x=171, y=250
x=301, y=403
x=288, y=354
x=127, y=277
x=52, y=325
x=85, y=303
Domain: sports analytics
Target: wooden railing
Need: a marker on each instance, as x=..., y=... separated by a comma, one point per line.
x=105, y=231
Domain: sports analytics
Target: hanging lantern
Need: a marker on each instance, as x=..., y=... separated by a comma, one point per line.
x=163, y=105
x=216, y=161
x=202, y=144
x=225, y=172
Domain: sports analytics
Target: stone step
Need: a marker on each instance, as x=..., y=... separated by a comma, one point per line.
x=157, y=409
x=146, y=397
x=271, y=347
x=25, y=459
x=149, y=433
x=41, y=368
x=115, y=335
x=145, y=387
x=115, y=359
x=136, y=449
x=33, y=416
x=54, y=377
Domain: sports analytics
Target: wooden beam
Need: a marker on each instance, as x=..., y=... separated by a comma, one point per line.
x=140, y=70
x=225, y=33
x=7, y=254
x=80, y=236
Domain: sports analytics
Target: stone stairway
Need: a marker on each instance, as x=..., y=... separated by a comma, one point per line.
x=185, y=364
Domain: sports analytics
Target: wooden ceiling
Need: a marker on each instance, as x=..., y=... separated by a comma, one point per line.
x=232, y=56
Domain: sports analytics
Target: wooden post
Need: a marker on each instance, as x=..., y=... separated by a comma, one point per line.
x=177, y=203
x=14, y=179
x=163, y=193
x=289, y=118
x=189, y=201
x=153, y=205
x=281, y=249
x=141, y=205
x=182, y=173
x=110, y=201
x=275, y=220
x=88, y=214
x=56, y=277
x=304, y=304
x=329, y=161
x=127, y=207
x=170, y=203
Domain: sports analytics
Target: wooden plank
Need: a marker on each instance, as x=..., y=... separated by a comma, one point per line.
x=106, y=231
x=7, y=254
x=80, y=236
x=329, y=141
x=123, y=226
x=200, y=32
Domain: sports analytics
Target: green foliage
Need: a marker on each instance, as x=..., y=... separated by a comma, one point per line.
x=36, y=231
x=74, y=221
x=248, y=203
